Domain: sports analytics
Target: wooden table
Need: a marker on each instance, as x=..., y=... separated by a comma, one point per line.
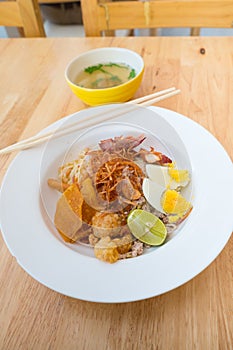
x=197, y=315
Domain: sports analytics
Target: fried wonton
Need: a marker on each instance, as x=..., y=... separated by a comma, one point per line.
x=68, y=216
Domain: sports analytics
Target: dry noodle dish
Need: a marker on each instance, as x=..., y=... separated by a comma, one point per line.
x=120, y=198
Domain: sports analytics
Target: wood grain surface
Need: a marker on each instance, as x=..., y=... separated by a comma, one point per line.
x=112, y=15
x=24, y=14
x=197, y=315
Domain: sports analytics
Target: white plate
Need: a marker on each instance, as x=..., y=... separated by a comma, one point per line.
x=28, y=235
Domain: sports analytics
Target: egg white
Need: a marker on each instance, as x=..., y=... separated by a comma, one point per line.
x=153, y=193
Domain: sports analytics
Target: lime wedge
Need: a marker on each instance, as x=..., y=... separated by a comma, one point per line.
x=147, y=227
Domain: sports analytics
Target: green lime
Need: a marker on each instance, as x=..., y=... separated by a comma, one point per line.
x=147, y=227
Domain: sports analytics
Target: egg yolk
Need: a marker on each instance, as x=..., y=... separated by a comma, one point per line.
x=179, y=175
x=174, y=203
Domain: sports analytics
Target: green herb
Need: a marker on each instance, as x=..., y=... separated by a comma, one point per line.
x=111, y=64
x=92, y=69
x=95, y=83
x=115, y=78
x=132, y=74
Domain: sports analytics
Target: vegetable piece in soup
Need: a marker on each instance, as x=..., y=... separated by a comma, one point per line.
x=106, y=75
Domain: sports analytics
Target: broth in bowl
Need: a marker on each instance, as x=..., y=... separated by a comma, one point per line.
x=101, y=76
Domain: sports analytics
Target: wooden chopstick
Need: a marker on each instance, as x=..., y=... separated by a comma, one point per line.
x=93, y=120
x=70, y=126
x=139, y=100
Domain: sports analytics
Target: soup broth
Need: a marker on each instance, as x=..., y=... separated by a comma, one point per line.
x=105, y=75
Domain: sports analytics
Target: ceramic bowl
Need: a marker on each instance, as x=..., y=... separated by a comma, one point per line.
x=120, y=93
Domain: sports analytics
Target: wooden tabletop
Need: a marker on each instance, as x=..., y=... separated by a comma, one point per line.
x=197, y=315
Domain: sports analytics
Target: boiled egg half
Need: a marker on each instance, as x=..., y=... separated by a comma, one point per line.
x=168, y=177
x=159, y=190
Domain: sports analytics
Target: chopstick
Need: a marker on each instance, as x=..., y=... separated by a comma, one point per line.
x=93, y=119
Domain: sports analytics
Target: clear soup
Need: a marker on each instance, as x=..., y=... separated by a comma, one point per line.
x=102, y=76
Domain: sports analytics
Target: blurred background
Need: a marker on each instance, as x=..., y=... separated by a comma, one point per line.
x=65, y=20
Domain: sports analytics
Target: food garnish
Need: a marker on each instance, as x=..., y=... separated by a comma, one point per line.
x=147, y=227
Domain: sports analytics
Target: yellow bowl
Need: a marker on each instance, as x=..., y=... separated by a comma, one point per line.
x=120, y=93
